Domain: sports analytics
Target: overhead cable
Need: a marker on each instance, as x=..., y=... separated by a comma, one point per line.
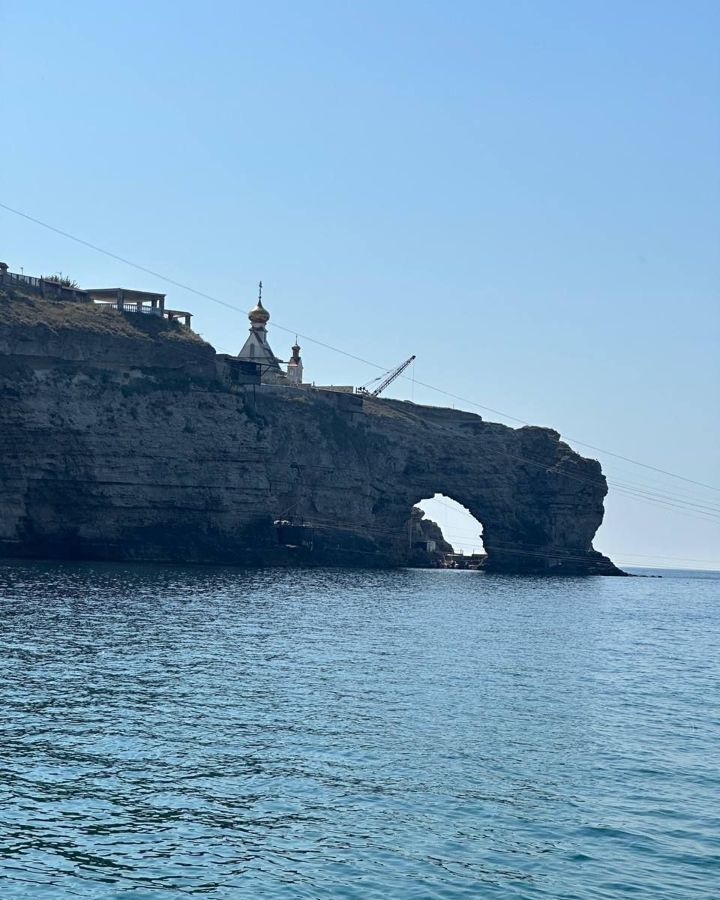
x=334, y=349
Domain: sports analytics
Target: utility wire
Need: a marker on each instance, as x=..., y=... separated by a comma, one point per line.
x=518, y=549
x=701, y=514
x=467, y=540
x=686, y=505
x=431, y=387
x=305, y=337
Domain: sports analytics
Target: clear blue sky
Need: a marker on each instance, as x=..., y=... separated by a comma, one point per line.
x=524, y=194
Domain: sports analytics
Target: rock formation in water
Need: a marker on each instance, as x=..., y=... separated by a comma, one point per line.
x=424, y=529
x=427, y=542
x=122, y=438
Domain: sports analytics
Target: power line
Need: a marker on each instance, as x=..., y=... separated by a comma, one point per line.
x=466, y=538
x=687, y=507
x=517, y=549
x=682, y=507
x=629, y=490
x=653, y=490
x=657, y=556
x=327, y=346
x=566, y=437
x=708, y=513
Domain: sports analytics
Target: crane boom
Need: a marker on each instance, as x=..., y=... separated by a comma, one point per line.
x=388, y=380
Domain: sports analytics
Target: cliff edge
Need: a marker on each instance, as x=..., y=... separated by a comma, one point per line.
x=120, y=439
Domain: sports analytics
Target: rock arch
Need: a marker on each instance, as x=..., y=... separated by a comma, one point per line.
x=461, y=529
x=174, y=463
x=539, y=502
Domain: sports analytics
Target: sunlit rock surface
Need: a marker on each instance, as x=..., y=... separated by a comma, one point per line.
x=120, y=441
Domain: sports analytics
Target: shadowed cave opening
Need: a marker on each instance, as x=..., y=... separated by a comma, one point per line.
x=459, y=527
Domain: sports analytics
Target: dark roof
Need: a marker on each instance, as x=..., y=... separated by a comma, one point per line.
x=129, y=293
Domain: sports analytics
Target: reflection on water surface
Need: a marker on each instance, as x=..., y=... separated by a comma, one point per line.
x=170, y=732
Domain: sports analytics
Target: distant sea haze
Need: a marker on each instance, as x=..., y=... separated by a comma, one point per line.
x=171, y=732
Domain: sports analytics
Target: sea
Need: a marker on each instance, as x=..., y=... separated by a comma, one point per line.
x=174, y=732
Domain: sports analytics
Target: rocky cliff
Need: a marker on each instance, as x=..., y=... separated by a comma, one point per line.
x=427, y=542
x=118, y=440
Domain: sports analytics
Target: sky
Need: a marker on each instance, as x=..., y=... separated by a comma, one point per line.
x=526, y=195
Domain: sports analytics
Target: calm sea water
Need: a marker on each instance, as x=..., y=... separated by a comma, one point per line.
x=171, y=732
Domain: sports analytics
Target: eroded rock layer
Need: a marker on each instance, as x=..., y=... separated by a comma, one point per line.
x=120, y=441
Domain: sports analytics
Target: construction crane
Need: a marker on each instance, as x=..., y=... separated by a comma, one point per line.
x=387, y=379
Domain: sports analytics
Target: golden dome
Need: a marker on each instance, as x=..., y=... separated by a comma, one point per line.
x=258, y=314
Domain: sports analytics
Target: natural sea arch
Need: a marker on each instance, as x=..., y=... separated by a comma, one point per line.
x=539, y=503
x=458, y=525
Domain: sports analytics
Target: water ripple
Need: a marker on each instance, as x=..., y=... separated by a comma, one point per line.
x=169, y=732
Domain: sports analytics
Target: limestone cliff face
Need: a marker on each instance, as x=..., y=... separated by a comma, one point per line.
x=125, y=445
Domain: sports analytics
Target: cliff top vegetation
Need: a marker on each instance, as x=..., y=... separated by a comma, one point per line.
x=21, y=309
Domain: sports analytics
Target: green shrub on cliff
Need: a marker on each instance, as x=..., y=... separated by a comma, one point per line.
x=64, y=280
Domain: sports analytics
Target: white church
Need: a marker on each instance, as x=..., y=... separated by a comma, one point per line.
x=256, y=349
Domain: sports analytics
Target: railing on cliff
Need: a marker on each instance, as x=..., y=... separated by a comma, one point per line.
x=129, y=306
x=15, y=278
x=120, y=299
x=47, y=287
